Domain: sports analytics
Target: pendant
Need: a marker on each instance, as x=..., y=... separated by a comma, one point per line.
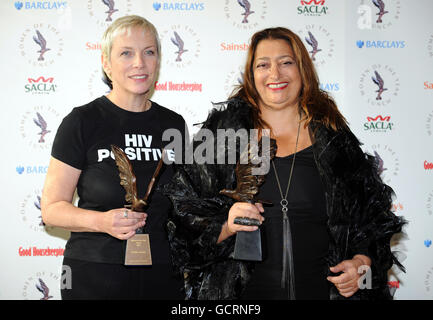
x=284, y=208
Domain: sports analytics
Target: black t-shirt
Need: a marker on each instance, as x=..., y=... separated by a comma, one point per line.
x=83, y=141
x=308, y=223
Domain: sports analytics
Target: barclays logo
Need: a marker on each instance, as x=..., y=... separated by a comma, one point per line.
x=427, y=243
x=330, y=87
x=157, y=6
x=385, y=44
x=31, y=169
x=40, y=5
x=178, y=6
x=18, y=5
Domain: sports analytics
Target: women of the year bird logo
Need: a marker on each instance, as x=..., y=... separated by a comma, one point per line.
x=41, y=44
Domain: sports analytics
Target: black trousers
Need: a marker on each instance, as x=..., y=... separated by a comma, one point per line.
x=104, y=281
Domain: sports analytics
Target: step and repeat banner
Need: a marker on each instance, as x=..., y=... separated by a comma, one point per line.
x=375, y=57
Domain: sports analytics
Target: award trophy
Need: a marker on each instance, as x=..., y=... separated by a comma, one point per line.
x=137, y=247
x=248, y=243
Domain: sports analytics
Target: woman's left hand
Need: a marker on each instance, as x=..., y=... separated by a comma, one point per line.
x=347, y=282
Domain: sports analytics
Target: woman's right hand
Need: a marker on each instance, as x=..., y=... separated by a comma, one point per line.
x=122, y=226
x=247, y=210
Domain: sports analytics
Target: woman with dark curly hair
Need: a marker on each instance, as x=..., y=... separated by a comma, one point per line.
x=327, y=235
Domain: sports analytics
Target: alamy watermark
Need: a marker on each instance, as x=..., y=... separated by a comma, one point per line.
x=226, y=146
x=66, y=278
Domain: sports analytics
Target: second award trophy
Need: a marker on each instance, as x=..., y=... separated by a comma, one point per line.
x=248, y=244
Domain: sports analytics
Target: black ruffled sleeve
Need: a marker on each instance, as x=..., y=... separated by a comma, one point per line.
x=199, y=212
x=196, y=223
x=367, y=207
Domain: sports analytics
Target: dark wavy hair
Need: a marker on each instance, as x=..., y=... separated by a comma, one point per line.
x=316, y=104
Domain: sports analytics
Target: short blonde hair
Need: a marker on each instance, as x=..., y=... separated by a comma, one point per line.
x=120, y=26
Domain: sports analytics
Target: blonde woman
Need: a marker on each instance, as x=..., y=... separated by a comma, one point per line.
x=81, y=161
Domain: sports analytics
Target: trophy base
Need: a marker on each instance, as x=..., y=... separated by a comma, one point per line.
x=248, y=246
x=138, y=251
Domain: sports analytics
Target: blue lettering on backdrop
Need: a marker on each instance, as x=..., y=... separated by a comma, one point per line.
x=45, y=5
x=386, y=44
x=330, y=86
x=182, y=6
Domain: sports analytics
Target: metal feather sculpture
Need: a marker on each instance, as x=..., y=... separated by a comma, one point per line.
x=248, y=245
x=129, y=181
x=247, y=184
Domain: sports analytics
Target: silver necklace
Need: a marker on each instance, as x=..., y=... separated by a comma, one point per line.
x=287, y=275
x=284, y=201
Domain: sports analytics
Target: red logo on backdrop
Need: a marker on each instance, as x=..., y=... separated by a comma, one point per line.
x=50, y=80
x=316, y=2
x=93, y=46
x=396, y=207
x=394, y=284
x=39, y=252
x=40, y=85
x=428, y=165
x=378, y=124
x=182, y=86
x=379, y=117
x=428, y=85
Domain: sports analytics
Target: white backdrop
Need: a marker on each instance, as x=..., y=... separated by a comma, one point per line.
x=354, y=49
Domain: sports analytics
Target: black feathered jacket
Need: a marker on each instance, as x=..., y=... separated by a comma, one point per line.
x=358, y=206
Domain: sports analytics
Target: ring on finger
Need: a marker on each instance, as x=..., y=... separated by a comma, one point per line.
x=125, y=214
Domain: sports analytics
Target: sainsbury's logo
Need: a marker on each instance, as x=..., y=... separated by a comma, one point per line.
x=234, y=46
x=93, y=46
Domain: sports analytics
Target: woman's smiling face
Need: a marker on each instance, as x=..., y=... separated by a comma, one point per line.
x=133, y=63
x=276, y=74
